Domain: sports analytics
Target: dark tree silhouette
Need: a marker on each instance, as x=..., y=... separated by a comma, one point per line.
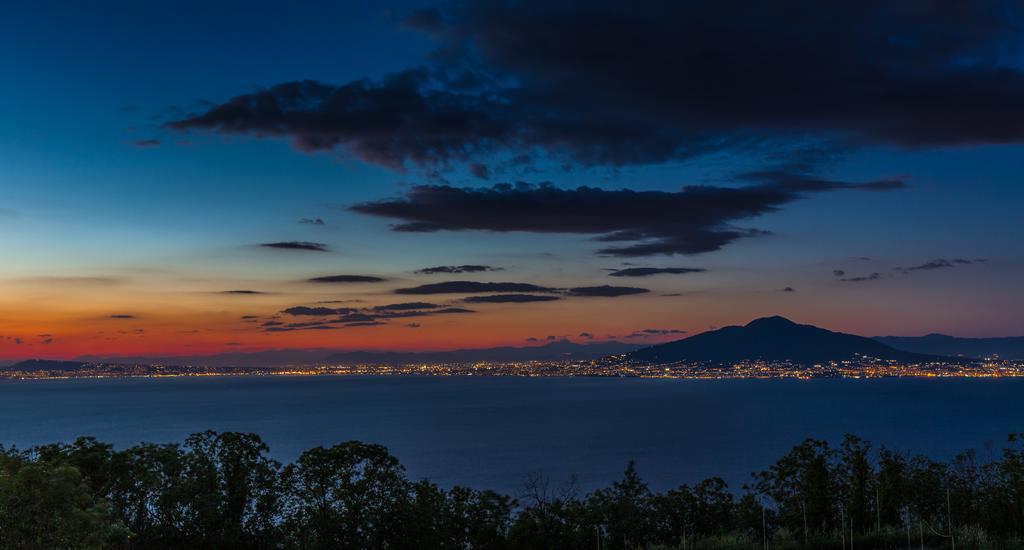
x=222, y=491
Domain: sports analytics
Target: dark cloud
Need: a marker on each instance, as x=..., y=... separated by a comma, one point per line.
x=939, y=263
x=406, y=117
x=146, y=143
x=242, y=292
x=297, y=245
x=862, y=278
x=413, y=325
x=472, y=287
x=789, y=289
x=480, y=170
x=122, y=316
x=452, y=310
x=311, y=221
x=648, y=271
x=605, y=291
x=249, y=317
x=509, y=299
x=308, y=327
x=838, y=272
x=406, y=306
x=694, y=220
x=532, y=339
x=456, y=269
x=347, y=279
x=357, y=317
x=317, y=311
x=587, y=335
x=657, y=332
x=934, y=264
x=312, y=324
x=516, y=292
x=617, y=83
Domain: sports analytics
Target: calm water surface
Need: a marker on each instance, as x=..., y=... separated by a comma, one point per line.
x=491, y=432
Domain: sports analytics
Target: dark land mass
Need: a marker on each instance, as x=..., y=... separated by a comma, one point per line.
x=773, y=339
x=45, y=365
x=557, y=350
x=1010, y=347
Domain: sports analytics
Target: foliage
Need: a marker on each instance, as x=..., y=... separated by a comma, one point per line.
x=223, y=491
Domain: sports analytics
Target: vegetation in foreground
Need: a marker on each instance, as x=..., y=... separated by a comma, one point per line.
x=222, y=491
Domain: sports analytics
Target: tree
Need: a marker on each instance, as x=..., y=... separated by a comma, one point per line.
x=555, y=519
x=624, y=509
x=713, y=513
x=230, y=494
x=926, y=489
x=479, y=519
x=674, y=515
x=350, y=495
x=44, y=506
x=148, y=489
x=753, y=519
x=857, y=483
x=801, y=484
x=1009, y=498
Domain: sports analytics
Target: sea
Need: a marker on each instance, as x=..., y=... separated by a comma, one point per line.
x=495, y=432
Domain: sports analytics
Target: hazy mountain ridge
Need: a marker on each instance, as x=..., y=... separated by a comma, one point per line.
x=45, y=364
x=1006, y=347
x=560, y=349
x=774, y=339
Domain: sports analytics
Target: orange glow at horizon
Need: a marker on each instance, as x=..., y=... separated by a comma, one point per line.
x=74, y=317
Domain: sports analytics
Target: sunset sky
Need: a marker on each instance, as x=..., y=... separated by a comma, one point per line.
x=176, y=176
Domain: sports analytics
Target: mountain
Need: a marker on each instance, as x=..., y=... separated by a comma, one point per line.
x=561, y=349
x=773, y=339
x=33, y=365
x=258, y=359
x=1011, y=347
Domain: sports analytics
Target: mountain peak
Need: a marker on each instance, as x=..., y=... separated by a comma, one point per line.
x=772, y=321
x=774, y=339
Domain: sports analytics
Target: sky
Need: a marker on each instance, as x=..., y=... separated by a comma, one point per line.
x=207, y=177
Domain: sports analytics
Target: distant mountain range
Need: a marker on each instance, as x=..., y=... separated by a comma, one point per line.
x=45, y=364
x=559, y=349
x=769, y=338
x=772, y=339
x=1011, y=347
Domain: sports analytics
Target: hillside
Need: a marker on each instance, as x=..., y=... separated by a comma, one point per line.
x=774, y=339
x=1011, y=347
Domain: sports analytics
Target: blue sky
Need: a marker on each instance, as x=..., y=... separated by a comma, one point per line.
x=86, y=85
